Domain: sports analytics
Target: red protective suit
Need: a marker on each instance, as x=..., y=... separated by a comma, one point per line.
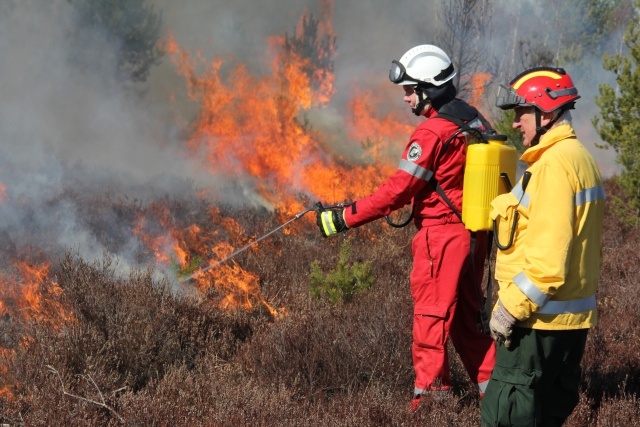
x=445, y=294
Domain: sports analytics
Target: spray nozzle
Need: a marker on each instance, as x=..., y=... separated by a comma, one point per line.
x=320, y=207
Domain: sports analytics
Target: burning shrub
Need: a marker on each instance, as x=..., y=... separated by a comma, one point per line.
x=126, y=335
x=142, y=351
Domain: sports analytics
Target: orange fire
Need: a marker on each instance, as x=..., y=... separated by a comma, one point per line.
x=3, y=192
x=190, y=248
x=34, y=296
x=478, y=84
x=228, y=285
x=5, y=382
x=383, y=136
x=157, y=234
x=251, y=128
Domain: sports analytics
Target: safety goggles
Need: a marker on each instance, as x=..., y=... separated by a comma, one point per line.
x=507, y=98
x=398, y=74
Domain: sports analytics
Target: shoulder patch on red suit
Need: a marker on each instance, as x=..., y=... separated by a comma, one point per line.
x=415, y=151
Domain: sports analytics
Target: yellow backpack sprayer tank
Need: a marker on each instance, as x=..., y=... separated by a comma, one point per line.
x=482, y=179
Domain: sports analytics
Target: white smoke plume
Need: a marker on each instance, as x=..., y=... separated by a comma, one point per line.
x=68, y=125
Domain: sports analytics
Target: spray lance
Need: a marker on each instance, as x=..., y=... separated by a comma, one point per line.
x=317, y=207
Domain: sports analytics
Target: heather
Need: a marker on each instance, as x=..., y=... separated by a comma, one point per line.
x=108, y=348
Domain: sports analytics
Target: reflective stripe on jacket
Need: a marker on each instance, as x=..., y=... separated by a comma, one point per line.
x=548, y=277
x=420, y=159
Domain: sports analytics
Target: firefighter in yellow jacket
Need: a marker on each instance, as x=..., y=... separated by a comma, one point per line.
x=548, y=232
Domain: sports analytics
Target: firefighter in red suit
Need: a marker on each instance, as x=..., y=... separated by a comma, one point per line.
x=445, y=279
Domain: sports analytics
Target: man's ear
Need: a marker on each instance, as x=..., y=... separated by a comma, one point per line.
x=546, y=118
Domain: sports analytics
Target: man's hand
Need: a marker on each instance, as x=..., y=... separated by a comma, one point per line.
x=331, y=222
x=501, y=325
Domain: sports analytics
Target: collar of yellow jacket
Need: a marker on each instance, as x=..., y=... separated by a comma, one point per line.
x=554, y=135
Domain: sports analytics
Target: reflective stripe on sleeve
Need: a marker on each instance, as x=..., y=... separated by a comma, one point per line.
x=522, y=197
x=589, y=195
x=552, y=307
x=415, y=170
x=530, y=290
x=327, y=224
x=584, y=196
x=482, y=387
x=571, y=306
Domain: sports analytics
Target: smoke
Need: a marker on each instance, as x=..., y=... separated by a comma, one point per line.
x=370, y=34
x=55, y=109
x=71, y=131
x=552, y=25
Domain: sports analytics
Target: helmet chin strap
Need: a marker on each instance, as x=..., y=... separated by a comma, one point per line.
x=541, y=130
x=422, y=101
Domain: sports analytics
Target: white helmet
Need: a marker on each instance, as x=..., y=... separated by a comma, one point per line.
x=422, y=64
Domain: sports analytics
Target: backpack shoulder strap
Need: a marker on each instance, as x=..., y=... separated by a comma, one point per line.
x=465, y=117
x=436, y=185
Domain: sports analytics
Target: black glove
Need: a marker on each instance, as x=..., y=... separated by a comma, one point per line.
x=331, y=222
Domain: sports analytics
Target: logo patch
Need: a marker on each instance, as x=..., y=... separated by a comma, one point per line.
x=414, y=153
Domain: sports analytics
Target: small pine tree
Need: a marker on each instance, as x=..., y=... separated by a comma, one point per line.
x=504, y=126
x=188, y=268
x=343, y=283
x=619, y=125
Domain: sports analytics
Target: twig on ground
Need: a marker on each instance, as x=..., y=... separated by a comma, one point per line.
x=101, y=404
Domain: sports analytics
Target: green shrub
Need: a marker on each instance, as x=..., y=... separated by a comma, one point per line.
x=188, y=269
x=343, y=283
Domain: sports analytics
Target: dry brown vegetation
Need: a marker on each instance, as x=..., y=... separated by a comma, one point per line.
x=138, y=352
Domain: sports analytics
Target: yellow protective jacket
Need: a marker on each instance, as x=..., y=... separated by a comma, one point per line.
x=548, y=277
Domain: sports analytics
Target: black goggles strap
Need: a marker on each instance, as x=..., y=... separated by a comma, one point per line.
x=444, y=73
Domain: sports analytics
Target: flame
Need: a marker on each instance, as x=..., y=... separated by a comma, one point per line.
x=249, y=129
x=193, y=247
x=152, y=231
x=249, y=125
x=34, y=295
x=5, y=382
x=478, y=84
x=232, y=287
x=380, y=133
x=27, y=296
x=227, y=286
x=3, y=192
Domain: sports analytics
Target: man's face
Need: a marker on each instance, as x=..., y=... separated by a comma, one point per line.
x=411, y=98
x=525, y=120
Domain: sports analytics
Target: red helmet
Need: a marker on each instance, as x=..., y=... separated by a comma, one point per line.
x=543, y=87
